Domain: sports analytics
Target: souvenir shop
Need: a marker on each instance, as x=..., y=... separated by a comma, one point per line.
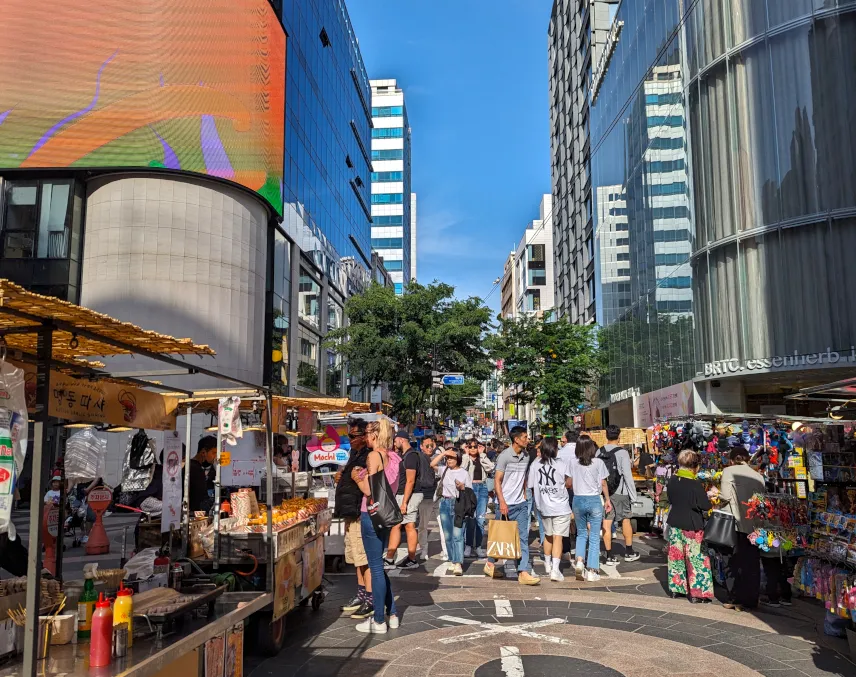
x=808, y=513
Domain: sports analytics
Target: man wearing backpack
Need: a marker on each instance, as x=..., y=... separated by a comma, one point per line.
x=622, y=493
x=409, y=497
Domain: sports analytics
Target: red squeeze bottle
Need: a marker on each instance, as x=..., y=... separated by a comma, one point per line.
x=101, y=641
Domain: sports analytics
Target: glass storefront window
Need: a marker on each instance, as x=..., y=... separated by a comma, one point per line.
x=279, y=344
x=310, y=300
x=334, y=315
x=308, y=365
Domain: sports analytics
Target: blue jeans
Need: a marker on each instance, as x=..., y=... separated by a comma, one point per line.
x=475, y=525
x=537, y=512
x=454, y=535
x=588, y=512
x=520, y=513
x=375, y=547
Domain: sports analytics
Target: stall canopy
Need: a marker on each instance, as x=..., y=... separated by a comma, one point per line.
x=208, y=400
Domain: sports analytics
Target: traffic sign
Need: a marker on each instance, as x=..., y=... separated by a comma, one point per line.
x=453, y=380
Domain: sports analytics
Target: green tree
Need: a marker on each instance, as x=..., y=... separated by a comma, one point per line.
x=399, y=340
x=453, y=401
x=548, y=361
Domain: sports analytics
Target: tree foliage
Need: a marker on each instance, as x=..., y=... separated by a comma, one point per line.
x=548, y=361
x=399, y=340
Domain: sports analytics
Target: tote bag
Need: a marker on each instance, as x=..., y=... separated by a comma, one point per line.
x=721, y=529
x=503, y=539
x=381, y=506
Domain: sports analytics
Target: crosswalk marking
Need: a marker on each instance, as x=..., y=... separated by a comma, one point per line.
x=512, y=664
x=503, y=608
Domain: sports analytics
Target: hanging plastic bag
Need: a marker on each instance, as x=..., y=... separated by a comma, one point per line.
x=85, y=454
x=229, y=420
x=13, y=436
x=139, y=464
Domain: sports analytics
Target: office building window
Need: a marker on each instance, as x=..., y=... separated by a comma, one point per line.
x=666, y=143
x=665, y=121
x=385, y=177
x=670, y=259
x=678, y=188
x=387, y=111
x=674, y=306
x=388, y=220
x=678, y=282
x=387, y=199
x=310, y=300
x=622, y=257
x=393, y=154
x=658, y=166
x=622, y=241
x=393, y=265
x=672, y=235
x=387, y=243
x=388, y=133
x=537, y=277
x=623, y=272
x=663, y=99
x=533, y=300
x=399, y=288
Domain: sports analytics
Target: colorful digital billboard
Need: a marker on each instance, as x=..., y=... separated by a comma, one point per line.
x=192, y=85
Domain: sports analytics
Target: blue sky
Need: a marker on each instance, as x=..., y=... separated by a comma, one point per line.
x=474, y=73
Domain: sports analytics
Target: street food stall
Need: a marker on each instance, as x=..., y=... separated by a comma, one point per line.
x=201, y=620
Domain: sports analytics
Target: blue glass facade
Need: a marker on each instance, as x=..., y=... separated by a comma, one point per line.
x=327, y=140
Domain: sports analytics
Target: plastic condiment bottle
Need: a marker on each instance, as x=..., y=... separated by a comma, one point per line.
x=86, y=603
x=101, y=643
x=123, y=610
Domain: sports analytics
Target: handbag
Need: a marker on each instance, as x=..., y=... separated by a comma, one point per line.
x=382, y=507
x=503, y=539
x=721, y=529
x=438, y=492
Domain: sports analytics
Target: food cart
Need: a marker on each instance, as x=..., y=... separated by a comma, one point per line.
x=55, y=341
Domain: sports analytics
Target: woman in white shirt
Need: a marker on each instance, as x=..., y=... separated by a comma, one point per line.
x=452, y=481
x=547, y=479
x=588, y=482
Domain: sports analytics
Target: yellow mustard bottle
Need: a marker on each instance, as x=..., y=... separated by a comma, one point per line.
x=123, y=610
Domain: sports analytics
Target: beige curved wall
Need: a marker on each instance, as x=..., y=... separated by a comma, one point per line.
x=184, y=257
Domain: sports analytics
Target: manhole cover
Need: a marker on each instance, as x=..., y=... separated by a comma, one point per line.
x=542, y=666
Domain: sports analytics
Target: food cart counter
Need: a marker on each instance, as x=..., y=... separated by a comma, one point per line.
x=215, y=638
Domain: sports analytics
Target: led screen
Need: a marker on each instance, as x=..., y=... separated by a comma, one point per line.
x=192, y=85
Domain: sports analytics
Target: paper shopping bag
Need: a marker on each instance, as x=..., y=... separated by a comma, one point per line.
x=503, y=539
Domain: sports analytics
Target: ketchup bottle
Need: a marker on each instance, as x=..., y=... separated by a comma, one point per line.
x=101, y=639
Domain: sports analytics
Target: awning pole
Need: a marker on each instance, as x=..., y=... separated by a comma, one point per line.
x=217, y=497
x=185, y=503
x=44, y=349
x=269, y=480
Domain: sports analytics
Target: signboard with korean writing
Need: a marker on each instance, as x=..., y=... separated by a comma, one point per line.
x=103, y=402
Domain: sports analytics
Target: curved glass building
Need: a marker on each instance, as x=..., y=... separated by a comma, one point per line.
x=724, y=180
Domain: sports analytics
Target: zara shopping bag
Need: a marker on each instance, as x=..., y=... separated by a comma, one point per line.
x=382, y=507
x=503, y=539
x=721, y=529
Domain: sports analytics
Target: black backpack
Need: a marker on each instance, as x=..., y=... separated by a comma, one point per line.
x=425, y=479
x=613, y=481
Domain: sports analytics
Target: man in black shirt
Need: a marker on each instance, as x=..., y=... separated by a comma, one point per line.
x=348, y=505
x=408, y=497
x=198, y=499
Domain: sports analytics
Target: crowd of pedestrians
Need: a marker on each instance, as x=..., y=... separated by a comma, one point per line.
x=573, y=490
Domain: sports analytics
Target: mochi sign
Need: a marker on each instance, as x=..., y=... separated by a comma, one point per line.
x=327, y=448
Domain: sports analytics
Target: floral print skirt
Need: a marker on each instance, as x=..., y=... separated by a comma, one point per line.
x=689, y=565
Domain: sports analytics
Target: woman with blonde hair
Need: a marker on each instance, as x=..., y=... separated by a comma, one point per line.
x=689, y=566
x=379, y=439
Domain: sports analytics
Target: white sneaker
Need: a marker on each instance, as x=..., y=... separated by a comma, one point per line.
x=481, y=552
x=444, y=556
x=592, y=576
x=370, y=627
x=579, y=570
x=557, y=576
x=394, y=622
x=468, y=551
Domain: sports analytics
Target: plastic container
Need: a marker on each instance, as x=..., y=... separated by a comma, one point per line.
x=101, y=641
x=86, y=606
x=123, y=610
